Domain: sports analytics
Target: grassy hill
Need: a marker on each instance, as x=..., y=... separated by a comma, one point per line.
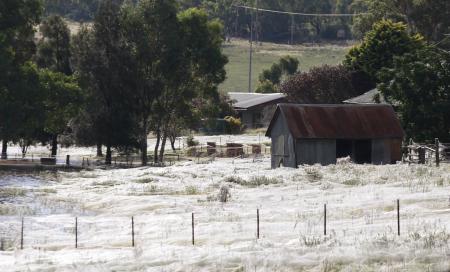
x=268, y=53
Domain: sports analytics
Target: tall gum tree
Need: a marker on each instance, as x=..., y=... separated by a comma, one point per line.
x=16, y=47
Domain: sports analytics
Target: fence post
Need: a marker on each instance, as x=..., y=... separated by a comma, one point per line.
x=398, y=217
x=436, y=143
x=68, y=160
x=21, y=236
x=324, y=219
x=421, y=151
x=257, y=223
x=76, y=232
x=409, y=151
x=193, y=238
x=132, y=231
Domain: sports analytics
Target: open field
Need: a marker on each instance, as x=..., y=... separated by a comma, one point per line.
x=361, y=218
x=268, y=53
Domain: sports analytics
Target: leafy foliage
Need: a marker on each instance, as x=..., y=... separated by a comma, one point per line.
x=233, y=125
x=54, y=47
x=325, y=84
x=419, y=83
x=430, y=18
x=17, y=21
x=270, y=78
x=386, y=40
x=266, y=86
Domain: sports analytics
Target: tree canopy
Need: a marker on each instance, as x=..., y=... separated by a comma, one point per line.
x=419, y=84
x=378, y=48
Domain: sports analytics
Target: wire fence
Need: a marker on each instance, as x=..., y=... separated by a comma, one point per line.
x=196, y=229
x=201, y=153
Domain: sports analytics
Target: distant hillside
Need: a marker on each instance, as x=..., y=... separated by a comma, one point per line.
x=271, y=27
x=268, y=53
x=77, y=10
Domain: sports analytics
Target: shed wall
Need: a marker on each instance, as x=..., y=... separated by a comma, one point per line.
x=381, y=151
x=283, y=151
x=386, y=151
x=311, y=151
x=247, y=118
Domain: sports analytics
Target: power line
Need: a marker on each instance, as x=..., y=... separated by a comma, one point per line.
x=303, y=14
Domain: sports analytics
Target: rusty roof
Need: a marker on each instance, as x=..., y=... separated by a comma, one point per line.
x=339, y=121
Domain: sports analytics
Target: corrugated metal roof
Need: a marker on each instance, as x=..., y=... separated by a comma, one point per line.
x=248, y=100
x=339, y=121
x=367, y=98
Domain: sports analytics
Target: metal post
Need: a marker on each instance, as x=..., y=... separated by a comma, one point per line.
x=398, y=217
x=76, y=232
x=436, y=143
x=251, y=54
x=132, y=231
x=324, y=219
x=21, y=236
x=68, y=160
x=193, y=238
x=257, y=223
x=292, y=29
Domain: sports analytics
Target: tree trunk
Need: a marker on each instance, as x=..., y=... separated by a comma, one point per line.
x=54, y=144
x=163, y=146
x=158, y=138
x=108, y=155
x=144, y=158
x=99, y=150
x=24, y=150
x=172, y=142
x=4, y=150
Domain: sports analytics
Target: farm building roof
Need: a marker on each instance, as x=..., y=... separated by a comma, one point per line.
x=244, y=101
x=373, y=96
x=339, y=121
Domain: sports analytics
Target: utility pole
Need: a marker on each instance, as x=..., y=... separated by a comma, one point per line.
x=251, y=51
x=292, y=29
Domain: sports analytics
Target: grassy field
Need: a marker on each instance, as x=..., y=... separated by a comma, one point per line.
x=268, y=53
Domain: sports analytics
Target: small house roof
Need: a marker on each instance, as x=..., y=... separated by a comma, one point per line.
x=373, y=96
x=244, y=101
x=341, y=121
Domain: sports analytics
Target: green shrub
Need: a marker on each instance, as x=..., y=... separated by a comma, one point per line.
x=253, y=181
x=191, y=190
x=232, y=125
x=352, y=182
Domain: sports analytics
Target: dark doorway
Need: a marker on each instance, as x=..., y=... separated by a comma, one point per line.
x=363, y=151
x=343, y=148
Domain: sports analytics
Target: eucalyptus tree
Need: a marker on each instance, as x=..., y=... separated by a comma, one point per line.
x=17, y=21
x=103, y=63
x=54, y=54
x=54, y=45
x=153, y=38
x=201, y=70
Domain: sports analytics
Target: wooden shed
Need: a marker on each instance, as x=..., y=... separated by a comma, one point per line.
x=256, y=109
x=310, y=134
